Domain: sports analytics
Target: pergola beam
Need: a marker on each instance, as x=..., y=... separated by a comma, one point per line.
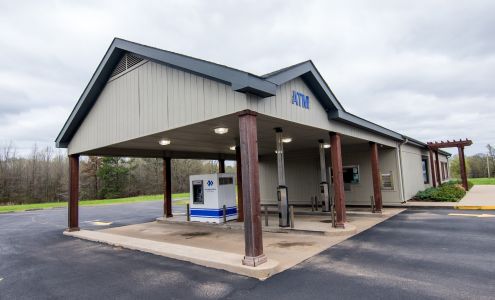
x=460, y=144
x=449, y=144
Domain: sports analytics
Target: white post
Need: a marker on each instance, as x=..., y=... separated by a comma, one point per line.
x=280, y=157
x=323, y=184
x=282, y=193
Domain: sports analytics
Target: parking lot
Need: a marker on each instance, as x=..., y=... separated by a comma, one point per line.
x=425, y=254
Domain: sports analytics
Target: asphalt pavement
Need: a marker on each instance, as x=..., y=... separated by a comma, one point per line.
x=418, y=254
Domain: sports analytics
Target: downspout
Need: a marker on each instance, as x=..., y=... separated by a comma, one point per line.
x=401, y=172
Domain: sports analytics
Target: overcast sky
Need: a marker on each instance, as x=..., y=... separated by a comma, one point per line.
x=423, y=68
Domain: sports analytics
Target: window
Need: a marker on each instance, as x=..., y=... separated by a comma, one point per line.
x=351, y=174
x=444, y=171
x=387, y=181
x=426, y=171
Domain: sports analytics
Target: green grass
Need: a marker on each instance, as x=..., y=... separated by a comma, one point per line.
x=178, y=200
x=482, y=181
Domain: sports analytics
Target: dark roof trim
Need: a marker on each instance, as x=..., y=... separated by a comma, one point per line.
x=354, y=120
x=239, y=80
x=313, y=79
x=264, y=86
x=308, y=72
x=415, y=142
x=336, y=111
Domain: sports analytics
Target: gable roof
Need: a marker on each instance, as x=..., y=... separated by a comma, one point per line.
x=241, y=81
x=308, y=72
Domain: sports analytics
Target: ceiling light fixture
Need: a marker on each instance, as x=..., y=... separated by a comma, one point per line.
x=221, y=130
x=286, y=140
x=232, y=148
x=164, y=142
x=326, y=146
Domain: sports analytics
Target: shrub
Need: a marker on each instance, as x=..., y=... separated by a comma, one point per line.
x=447, y=192
x=458, y=181
x=426, y=194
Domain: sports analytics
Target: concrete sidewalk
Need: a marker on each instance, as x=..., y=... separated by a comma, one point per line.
x=479, y=197
x=222, y=246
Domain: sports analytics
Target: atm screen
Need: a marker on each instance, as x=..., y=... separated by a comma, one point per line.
x=225, y=180
x=197, y=191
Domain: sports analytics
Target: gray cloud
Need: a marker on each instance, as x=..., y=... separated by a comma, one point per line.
x=423, y=68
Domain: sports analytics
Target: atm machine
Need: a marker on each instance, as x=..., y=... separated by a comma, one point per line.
x=208, y=194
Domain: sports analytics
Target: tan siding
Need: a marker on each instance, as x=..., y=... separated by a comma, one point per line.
x=360, y=192
x=389, y=163
x=303, y=176
x=412, y=170
x=280, y=106
x=153, y=98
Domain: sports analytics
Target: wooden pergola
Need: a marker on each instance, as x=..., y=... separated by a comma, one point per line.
x=460, y=144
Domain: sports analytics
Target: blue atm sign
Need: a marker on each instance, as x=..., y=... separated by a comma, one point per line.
x=300, y=99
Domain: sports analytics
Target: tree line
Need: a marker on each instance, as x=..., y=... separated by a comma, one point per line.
x=477, y=166
x=42, y=176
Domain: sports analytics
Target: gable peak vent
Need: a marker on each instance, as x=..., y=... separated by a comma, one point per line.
x=125, y=63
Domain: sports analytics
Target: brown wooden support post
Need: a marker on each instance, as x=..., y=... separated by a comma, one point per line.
x=240, y=203
x=437, y=167
x=375, y=170
x=248, y=136
x=167, y=187
x=221, y=165
x=73, y=193
x=432, y=169
x=338, y=179
x=462, y=164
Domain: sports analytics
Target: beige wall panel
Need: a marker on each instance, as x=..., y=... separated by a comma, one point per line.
x=153, y=98
x=280, y=106
x=360, y=193
x=303, y=176
x=412, y=170
x=390, y=164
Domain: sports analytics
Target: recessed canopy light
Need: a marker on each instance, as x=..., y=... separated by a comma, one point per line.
x=326, y=146
x=286, y=140
x=221, y=130
x=164, y=142
x=232, y=148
